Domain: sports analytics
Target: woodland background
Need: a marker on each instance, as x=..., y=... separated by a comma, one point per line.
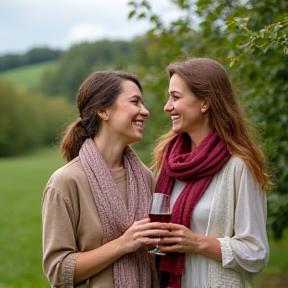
x=37, y=100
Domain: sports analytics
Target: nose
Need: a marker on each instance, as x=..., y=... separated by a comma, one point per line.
x=168, y=106
x=143, y=111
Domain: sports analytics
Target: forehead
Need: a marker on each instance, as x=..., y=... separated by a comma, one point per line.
x=177, y=83
x=129, y=89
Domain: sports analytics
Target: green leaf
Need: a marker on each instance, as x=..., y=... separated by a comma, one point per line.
x=131, y=14
x=141, y=15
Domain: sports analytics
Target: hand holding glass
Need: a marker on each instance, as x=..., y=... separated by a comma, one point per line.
x=160, y=212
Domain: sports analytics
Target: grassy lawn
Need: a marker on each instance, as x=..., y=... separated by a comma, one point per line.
x=22, y=181
x=28, y=77
x=275, y=275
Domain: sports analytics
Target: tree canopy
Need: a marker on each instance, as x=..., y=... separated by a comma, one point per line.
x=33, y=56
x=250, y=38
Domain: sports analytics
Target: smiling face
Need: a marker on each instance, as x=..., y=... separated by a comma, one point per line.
x=186, y=110
x=126, y=117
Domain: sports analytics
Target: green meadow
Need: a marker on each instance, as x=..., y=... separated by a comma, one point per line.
x=22, y=181
x=28, y=77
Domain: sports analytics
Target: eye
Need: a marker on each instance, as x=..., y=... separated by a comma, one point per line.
x=173, y=97
x=137, y=101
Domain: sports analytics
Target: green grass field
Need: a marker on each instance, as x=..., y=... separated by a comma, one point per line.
x=28, y=77
x=22, y=181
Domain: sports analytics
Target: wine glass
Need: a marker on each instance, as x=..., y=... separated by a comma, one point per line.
x=160, y=212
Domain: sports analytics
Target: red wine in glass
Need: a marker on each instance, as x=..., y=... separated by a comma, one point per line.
x=160, y=212
x=164, y=218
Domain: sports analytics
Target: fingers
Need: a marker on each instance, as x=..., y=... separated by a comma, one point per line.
x=171, y=248
x=150, y=233
x=182, y=241
x=174, y=226
x=145, y=224
x=147, y=241
x=142, y=221
x=171, y=240
x=172, y=244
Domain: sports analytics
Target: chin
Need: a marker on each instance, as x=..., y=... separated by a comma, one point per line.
x=136, y=140
x=177, y=131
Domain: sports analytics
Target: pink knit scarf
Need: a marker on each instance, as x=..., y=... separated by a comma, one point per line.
x=197, y=168
x=133, y=269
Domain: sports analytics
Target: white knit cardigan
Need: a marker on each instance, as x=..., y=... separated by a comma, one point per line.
x=232, y=194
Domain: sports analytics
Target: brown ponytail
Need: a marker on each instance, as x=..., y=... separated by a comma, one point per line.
x=72, y=140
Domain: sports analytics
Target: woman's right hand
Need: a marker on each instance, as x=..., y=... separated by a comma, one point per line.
x=142, y=232
x=138, y=234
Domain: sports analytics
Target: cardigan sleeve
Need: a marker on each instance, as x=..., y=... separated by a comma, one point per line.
x=59, y=244
x=248, y=247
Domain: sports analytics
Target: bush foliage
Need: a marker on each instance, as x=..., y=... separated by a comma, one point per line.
x=29, y=121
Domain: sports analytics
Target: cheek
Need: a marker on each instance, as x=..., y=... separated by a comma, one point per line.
x=128, y=108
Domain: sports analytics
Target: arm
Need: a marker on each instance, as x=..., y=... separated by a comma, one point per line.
x=62, y=262
x=182, y=240
x=92, y=262
x=58, y=237
x=248, y=247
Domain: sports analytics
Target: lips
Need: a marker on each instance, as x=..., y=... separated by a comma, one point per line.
x=174, y=117
x=138, y=123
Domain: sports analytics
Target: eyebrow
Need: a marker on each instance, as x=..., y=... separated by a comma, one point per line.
x=173, y=91
x=138, y=97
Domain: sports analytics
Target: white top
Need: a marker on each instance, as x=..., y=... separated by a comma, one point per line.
x=195, y=272
x=248, y=247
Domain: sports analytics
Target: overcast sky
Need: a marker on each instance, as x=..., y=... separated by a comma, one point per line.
x=26, y=24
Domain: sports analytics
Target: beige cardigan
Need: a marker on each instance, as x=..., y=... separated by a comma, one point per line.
x=71, y=224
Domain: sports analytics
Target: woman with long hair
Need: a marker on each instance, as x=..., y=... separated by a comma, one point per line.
x=214, y=172
x=95, y=209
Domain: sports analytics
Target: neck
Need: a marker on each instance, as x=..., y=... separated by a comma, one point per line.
x=110, y=151
x=198, y=136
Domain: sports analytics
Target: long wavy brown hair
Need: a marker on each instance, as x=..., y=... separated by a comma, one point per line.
x=208, y=79
x=100, y=89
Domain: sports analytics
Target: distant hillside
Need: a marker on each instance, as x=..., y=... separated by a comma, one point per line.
x=33, y=56
x=28, y=77
x=63, y=76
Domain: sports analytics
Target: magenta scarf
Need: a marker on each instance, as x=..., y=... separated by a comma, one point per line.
x=197, y=168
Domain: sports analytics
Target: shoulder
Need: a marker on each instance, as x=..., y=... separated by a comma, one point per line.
x=70, y=171
x=236, y=173
x=68, y=177
x=233, y=171
x=236, y=161
x=236, y=165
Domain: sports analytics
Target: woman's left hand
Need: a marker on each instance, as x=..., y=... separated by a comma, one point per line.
x=181, y=239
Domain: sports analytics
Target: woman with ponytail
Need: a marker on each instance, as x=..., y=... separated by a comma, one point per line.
x=95, y=208
x=214, y=172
